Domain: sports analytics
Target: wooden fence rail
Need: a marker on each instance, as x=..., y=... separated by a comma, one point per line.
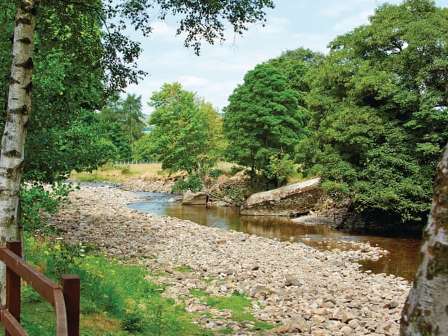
x=65, y=298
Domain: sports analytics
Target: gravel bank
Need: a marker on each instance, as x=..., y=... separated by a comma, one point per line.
x=301, y=290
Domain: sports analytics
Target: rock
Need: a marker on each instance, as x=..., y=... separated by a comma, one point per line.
x=298, y=325
x=341, y=315
x=191, y=198
x=353, y=324
x=292, y=280
x=391, y=305
x=259, y=290
x=194, y=308
x=314, y=220
x=285, y=201
x=319, y=332
x=346, y=330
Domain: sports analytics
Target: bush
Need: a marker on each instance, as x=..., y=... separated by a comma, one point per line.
x=215, y=173
x=125, y=170
x=192, y=183
x=235, y=170
x=38, y=202
x=280, y=168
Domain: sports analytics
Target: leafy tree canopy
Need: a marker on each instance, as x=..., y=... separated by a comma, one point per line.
x=68, y=87
x=263, y=121
x=122, y=123
x=380, y=111
x=186, y=131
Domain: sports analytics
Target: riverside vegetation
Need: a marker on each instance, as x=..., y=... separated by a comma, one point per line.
x=370, y=118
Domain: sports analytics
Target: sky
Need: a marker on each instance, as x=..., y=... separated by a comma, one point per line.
x=220, y=68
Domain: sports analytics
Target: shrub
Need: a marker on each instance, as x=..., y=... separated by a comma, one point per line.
x=38, y=201
x=192, y=183
x=280, y=168
x=215, y=173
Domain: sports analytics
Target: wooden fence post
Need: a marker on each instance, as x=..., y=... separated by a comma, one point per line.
x=71, y=288
x=13, y=285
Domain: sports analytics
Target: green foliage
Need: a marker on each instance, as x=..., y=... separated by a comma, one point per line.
x=295, y=65
x=68, y=87
x=122, y=122
x=191, y=182
x=186, y=131
x=280, y=168
x=144, y=149
x=235, y=170
x=215, y=173
x=379, y=112
x=263, y=119
x=238, y=304
x=38, y=202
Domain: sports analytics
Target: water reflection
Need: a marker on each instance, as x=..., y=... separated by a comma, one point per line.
x=402, y=260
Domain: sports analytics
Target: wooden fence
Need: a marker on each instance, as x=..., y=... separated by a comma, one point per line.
x=65, y=298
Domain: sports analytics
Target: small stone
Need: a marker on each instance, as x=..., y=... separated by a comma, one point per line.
x=391, y=305
x=292, y=280
x=346, y=330
x=353, y=324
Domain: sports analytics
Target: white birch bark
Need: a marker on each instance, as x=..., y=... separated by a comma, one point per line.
x=426, y=309
x=14, y=134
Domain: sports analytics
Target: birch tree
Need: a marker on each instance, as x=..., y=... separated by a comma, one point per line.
x=426, y=310
x=17, y=114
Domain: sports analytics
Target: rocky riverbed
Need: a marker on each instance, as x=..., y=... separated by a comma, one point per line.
x=298, y=289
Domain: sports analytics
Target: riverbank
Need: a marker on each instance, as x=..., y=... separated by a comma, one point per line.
x=295, y=288
x=148, y=177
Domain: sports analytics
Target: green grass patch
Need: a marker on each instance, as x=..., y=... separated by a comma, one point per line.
x=198, y=293
x=238, y=304
x=184, y=269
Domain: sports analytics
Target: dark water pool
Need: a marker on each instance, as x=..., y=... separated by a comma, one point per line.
x=402, y=260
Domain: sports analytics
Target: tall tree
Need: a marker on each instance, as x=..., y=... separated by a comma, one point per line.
x=186, y=131
x=17, y=115
x=263, y=120
x=425, y=312
x=122, y=122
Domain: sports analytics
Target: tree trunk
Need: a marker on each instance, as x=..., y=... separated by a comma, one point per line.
x=14, y=134
x=426, y=309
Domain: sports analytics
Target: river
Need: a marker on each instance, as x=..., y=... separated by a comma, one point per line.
x=402, y=260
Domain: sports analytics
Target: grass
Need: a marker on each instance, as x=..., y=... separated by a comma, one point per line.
x=38, y=319
x=238, y=304
x=120, y=173
x=116, y=299
x=184, y=269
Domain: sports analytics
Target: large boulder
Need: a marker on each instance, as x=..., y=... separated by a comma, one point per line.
x=191, y=198
x=291, y=200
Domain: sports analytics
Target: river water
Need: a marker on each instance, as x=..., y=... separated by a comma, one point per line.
x=402, y=260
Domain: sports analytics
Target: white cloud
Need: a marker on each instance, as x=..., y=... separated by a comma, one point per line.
x=193, y=81
x=313, y=41
x=163, y=29
x=351, y=22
